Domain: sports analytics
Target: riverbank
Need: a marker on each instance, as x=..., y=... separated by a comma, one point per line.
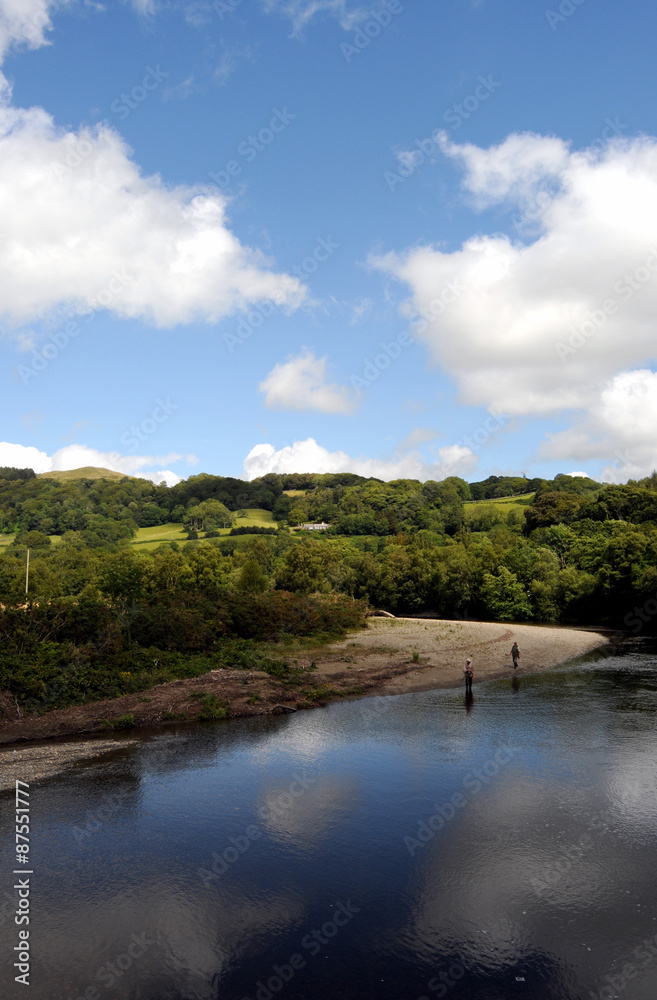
x=390, y=656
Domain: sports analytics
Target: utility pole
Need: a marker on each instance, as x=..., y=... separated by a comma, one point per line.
x=27, y=572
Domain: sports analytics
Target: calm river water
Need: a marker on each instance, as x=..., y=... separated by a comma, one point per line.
x=381, y=849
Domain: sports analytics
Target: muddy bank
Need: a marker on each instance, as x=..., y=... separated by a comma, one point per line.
x=390, y=656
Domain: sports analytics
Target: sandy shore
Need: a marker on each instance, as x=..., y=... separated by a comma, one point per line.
x=377, y=660
x=442, y=647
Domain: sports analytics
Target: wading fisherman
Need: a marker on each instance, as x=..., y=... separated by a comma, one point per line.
x=515, y=653
x=468, y=673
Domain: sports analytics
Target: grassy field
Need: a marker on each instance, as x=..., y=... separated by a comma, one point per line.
x=503, y=504
x=256, y=517
x=150, y=538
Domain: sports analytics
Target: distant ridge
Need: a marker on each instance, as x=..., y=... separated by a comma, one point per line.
x=88, y=472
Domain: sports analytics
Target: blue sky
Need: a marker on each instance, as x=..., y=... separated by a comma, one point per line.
x=412, y=239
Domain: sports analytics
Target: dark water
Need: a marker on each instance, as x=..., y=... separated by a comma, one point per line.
x=539, y=882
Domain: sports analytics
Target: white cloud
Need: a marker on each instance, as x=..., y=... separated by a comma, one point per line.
x=25, y=22
x=84, y=228
x=181, y=91
x=621, y=424
x=299, y=384
x=308, y=456
x=301, y=12
x=144, y=6
x=494, y=312
x=79, y=456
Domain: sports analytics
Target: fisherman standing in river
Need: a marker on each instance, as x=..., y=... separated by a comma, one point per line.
x=515, y=653
x=468, y=673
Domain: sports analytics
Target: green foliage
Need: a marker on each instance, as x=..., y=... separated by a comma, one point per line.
x=31, y=540
x=123, y=722
x=211, y=709
x=503, y=596
x=9, y=473
x=207, y=516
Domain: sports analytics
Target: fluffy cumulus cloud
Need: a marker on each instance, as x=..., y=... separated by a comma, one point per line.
x=26, y=22
x=550, y=321
x=79, y=456
x=83, y=228
x=619, y=426
x=308, y=456
x=300, y=384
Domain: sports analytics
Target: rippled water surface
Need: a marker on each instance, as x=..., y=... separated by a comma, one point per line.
x=384, y=848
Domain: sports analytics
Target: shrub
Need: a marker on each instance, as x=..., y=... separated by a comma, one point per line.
x=211, y=709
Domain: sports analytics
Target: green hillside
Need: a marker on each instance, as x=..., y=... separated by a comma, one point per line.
x=88, y=472
x=522, y=501
x=151, y=538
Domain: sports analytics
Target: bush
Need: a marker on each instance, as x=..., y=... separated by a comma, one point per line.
x=211, y=709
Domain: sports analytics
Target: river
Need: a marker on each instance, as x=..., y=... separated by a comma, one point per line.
x=378, y=849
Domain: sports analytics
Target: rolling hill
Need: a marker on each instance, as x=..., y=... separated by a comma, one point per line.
x=88, y=472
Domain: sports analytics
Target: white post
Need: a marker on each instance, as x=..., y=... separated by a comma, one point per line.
x=27, y=572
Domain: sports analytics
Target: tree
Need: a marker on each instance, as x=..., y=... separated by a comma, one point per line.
x=150, y=516
x=207, y=516
x=503, y=596
x=123, y=576
x=252, y=579
x=304, y=568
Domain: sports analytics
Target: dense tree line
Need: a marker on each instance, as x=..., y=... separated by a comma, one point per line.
x=103, y=618
x=581, y=551
x=106, y=510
